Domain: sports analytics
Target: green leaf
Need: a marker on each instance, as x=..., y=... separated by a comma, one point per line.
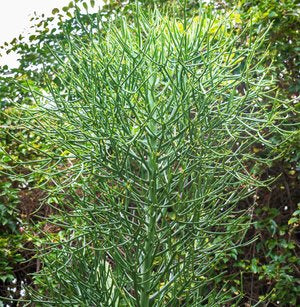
x=55, y=11
x=254, y=267
x=85, y=5
x=273, y=14
x=7, y=278
x=293, y=220
x=6, y=159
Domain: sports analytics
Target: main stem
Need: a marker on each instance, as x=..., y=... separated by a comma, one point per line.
x=150, y=219
x=147, y=259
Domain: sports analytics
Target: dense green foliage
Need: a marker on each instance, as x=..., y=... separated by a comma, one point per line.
x=266, y=270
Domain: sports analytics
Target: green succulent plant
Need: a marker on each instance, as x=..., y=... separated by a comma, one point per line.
x=158, y=122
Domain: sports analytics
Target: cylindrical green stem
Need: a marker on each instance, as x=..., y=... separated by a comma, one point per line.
x=148, y=258
x=150, y=218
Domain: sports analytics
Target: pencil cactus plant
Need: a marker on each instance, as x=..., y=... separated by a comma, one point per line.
x=157, y=120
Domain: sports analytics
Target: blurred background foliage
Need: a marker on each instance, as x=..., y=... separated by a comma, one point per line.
x=267, y=269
